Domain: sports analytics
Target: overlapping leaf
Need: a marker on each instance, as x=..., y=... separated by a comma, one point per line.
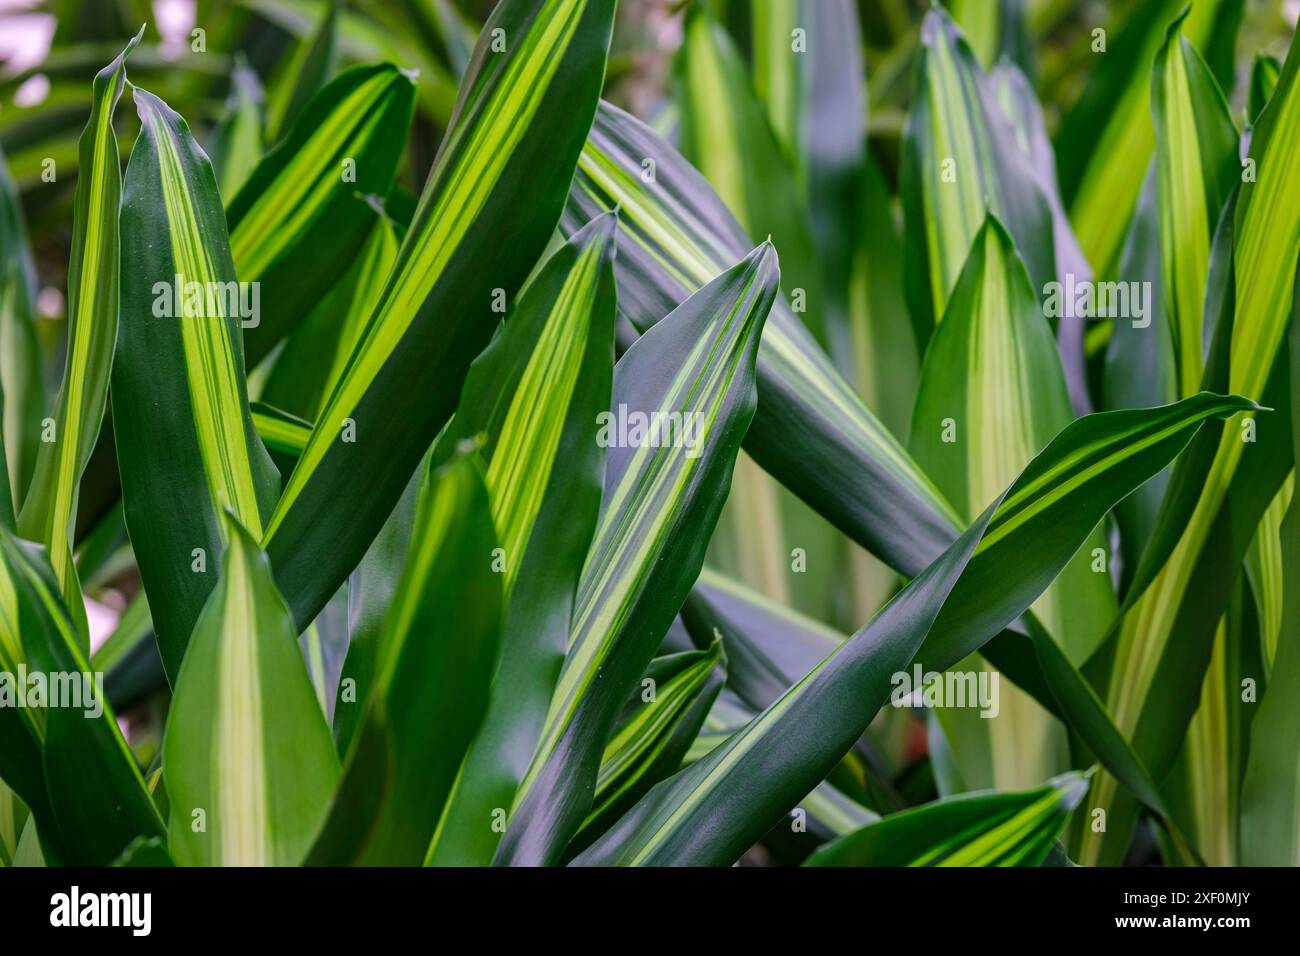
x=710, y=812
x=296, y=223
x=1222, y=488
x=992, y=394
x=94, y=800
x=493, y=195
x=1107, y=138
x=533, y=398
x=960, y=159
x=690, y=380
x=811, y=431
x=432, y=671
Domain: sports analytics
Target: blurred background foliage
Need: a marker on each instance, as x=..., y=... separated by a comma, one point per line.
x=220, y=62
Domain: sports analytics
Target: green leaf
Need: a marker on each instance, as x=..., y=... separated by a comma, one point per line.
x=1015, y=95
x=1140, y=371
x=984, y=581
x=281, y=433
x=1107, y=138
x=996, y=376
x=364, y=39
x=186, y=447
x=1196, y=169
x=431, y=681
x=49, y=510
x=95, y=801
x=768, y=646
x=961, y=159
x=21, y=728
x=816, y=102
x=371, y=589
x=664, y=488
x=22, y=397
x=7, y=519
x=1214, y=503
x=13, y=818
x=725, y=133
x=247, y=751
x=992, y=394
x=296, y=224
x=1270, y=791
x=532, y=398
x=1265, y=562
x=494, y=195
x=1205, y=783
x=885, y=361
x=811, y=432
x=974, y=829
x=655, y=735
x=313, y=357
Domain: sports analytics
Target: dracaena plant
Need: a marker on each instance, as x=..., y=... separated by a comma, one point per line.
x=447, y=466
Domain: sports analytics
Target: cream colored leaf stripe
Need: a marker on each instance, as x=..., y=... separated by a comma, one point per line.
x=238, y=761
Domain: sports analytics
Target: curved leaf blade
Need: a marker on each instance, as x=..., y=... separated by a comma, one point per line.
x=295, y=224
x=49, y=510
x=811, y=431
x=976, y=829
x=711, y=812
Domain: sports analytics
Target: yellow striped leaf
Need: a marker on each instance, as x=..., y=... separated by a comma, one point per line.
x=49, y=511
x=493, y=195
x=683, y=398
x=186, y=446
x=248, y=754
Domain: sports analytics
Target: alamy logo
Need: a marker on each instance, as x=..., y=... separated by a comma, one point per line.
x=922, y=688
x=74, y=690
x=179, y=299
x=1084, y=299
x=632, y=429
x=133, y=910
